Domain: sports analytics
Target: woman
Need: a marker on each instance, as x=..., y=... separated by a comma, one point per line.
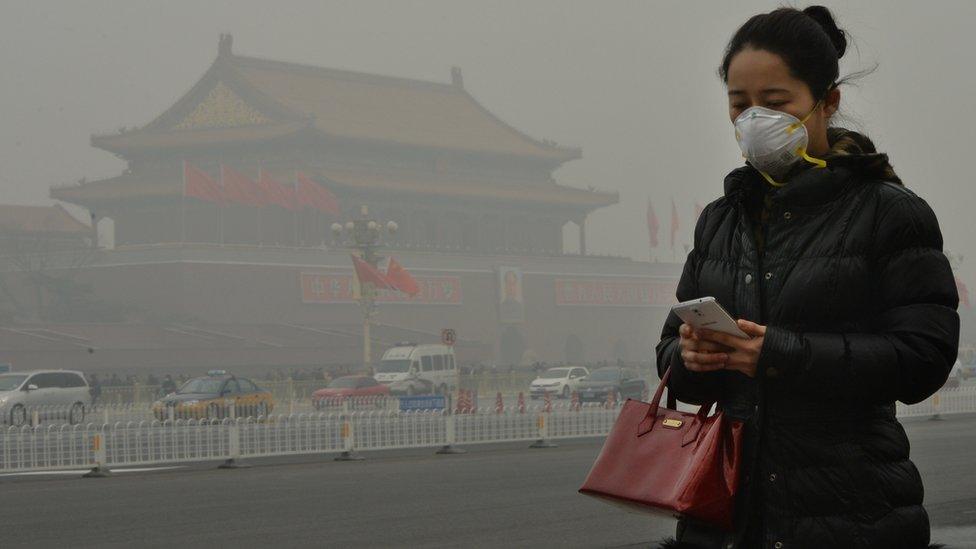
x=836, y=270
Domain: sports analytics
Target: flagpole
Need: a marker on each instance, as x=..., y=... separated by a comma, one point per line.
x=260, y=217
x=260, y=206
x=298, y=207
x=674, y=227
x=367, y=290
x=220, y=205
x=183, y=208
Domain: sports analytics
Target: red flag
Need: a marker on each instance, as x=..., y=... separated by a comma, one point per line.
x=652, y=225
x=368, y=273
x=316, y=196
x=276, y=193
x=240, y=189
x=401, y=278
x=674, y=222
x=963, y=292
x=198, y=184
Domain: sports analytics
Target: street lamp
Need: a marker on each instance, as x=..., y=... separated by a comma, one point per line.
x=365, y=235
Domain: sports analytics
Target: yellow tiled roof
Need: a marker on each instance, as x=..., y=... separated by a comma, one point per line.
x=246, y=98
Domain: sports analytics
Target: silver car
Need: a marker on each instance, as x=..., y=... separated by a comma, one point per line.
x=60, y=394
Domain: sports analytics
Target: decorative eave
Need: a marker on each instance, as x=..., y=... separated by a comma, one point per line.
x=137, y=142
x=51, y=220
x=121, y=189
x=536, y=193
x=168, y=185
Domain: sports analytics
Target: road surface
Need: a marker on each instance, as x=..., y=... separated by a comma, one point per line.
x=494, y=496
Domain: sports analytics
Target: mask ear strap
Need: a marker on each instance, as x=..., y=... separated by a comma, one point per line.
x=770, y=179
x=802, y=151
x=818, y=163
x=796, y=125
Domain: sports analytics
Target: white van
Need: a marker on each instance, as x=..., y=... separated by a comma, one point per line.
x=433, y=364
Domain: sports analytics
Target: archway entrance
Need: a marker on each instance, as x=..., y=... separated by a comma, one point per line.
x=620, y=350
x=573, y=349
x=511, y=346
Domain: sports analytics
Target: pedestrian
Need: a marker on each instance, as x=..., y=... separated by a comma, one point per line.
x=168, y=386
x=94, y=389
x=836, y=271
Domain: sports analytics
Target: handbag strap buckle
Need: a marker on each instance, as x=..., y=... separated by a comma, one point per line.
x=692, y=432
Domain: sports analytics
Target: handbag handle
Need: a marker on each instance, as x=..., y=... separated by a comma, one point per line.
x=650, y=418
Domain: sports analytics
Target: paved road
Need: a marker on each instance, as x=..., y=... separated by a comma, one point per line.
x=494, y=496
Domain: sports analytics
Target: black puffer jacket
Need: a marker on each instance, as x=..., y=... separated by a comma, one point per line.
x=860, y=307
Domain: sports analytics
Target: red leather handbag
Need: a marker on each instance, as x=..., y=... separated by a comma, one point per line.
x=662, y=461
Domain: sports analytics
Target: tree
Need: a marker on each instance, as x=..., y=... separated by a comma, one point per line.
x=38, y=273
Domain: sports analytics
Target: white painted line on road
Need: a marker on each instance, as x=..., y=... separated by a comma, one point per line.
x=82, y=471
x=954, y=536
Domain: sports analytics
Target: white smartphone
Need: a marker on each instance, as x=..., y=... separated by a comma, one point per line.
x=705, y=312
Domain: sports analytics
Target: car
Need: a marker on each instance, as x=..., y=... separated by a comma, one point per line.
x=430, y=362
x=411, y=386
x=622, y=382
x=560, y=382
x=214, y=396
x=349, y=386
x=62, y=394
x=955, y=377
x=966, y=371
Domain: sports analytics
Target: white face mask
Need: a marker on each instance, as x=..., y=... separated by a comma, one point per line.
x=773, y=141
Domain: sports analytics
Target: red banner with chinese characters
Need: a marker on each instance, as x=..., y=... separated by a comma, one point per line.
x=616, y=293
x=339, y=288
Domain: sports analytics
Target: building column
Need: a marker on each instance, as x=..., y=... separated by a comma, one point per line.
x=582, y=235
x=94, y=229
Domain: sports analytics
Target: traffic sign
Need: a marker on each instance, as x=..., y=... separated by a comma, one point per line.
x=448, y=336
x=422, y=402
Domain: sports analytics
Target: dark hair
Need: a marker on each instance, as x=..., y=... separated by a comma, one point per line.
x=808, y=41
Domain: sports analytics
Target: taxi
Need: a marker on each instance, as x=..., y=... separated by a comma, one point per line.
x=214, y=396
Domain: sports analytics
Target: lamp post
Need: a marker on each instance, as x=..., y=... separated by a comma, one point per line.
x=364, y=234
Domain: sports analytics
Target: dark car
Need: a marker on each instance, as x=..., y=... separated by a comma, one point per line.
x=622, y=382
x=213, y=396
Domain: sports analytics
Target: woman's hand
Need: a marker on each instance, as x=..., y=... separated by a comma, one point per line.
x=700, y=355
x=743, y=354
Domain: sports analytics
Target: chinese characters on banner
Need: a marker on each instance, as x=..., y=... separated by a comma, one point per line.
x=446, y=290
x=616, y=293
x=338, y=288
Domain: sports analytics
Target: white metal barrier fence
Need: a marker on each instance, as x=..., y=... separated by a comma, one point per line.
x=62, y=445
x=59, y=446
x=959, y=400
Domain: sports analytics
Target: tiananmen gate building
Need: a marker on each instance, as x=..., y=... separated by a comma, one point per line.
x=257, y=279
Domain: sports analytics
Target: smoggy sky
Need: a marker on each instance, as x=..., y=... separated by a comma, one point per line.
x=633, y=83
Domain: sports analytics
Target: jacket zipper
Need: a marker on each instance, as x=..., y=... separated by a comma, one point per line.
x=755, y=468
x=759, y=256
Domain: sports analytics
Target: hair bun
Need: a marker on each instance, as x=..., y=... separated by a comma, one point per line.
x=825, y=19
